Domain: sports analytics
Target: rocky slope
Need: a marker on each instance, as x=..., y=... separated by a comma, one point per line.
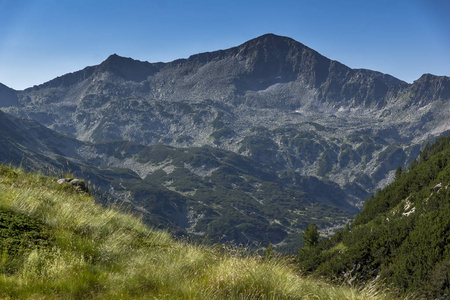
x=292, y=111
x=8, y=97
x=203, y=192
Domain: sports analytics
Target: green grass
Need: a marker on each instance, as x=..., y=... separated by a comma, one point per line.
x=80, y=250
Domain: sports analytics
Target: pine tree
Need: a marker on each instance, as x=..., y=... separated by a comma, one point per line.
x=311, y=235
x=398, y=172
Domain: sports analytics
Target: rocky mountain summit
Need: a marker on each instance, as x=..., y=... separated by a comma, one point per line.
x=297, y=114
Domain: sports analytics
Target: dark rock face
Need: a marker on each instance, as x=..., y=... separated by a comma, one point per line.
x=429, y=88
x=127, y=68
x=8, y=97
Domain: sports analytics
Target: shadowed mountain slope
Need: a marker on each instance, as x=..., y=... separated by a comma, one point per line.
x=306, y=120
x=203, y=192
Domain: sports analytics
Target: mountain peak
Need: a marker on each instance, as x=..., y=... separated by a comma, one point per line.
x=127, y=68
x=431, y=87
x=271, y=37
x=431, y=77
x=115, y=59
x=266, y=45
x=272, y=41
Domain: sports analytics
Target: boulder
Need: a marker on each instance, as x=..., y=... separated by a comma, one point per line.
x=63, y=180
x=437, y=187
x=77, y=184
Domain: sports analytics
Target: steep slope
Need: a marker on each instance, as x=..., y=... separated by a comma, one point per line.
x=267, y=72
x=206, y=193
x=57, y=243
x=8, y=97
x=272, y=99
x=325, y=133
x=225, y=197
x=401, y=236
x=24, y=141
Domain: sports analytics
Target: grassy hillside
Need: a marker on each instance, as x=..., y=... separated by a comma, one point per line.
x=57, y=243
x=401, y=237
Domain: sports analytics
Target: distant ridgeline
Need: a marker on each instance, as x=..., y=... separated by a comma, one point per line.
x=402, y=235
x=246, y=145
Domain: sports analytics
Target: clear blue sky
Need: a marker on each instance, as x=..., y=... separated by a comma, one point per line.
x=42, y=39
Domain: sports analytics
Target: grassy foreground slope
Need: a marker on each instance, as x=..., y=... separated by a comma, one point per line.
x=57, y=243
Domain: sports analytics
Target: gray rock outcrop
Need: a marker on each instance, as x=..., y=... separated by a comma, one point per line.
x=77, y=184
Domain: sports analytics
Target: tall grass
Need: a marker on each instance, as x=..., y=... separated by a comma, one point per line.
x=101, y=253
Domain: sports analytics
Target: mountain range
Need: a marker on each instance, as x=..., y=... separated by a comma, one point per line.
x=248, y=144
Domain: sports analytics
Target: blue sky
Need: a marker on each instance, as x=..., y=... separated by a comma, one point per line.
x=43, y=39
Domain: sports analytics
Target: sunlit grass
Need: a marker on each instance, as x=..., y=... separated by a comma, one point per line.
x=102, y=253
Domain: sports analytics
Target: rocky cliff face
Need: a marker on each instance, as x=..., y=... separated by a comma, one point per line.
x=273, y=100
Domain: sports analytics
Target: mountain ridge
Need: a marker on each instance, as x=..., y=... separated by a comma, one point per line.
x=218, y=53
x=138, y=71
x=293, y=112
x=220, y=88
x=267, y=40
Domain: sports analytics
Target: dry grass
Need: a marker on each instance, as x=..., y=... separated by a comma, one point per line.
x=106, y=254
